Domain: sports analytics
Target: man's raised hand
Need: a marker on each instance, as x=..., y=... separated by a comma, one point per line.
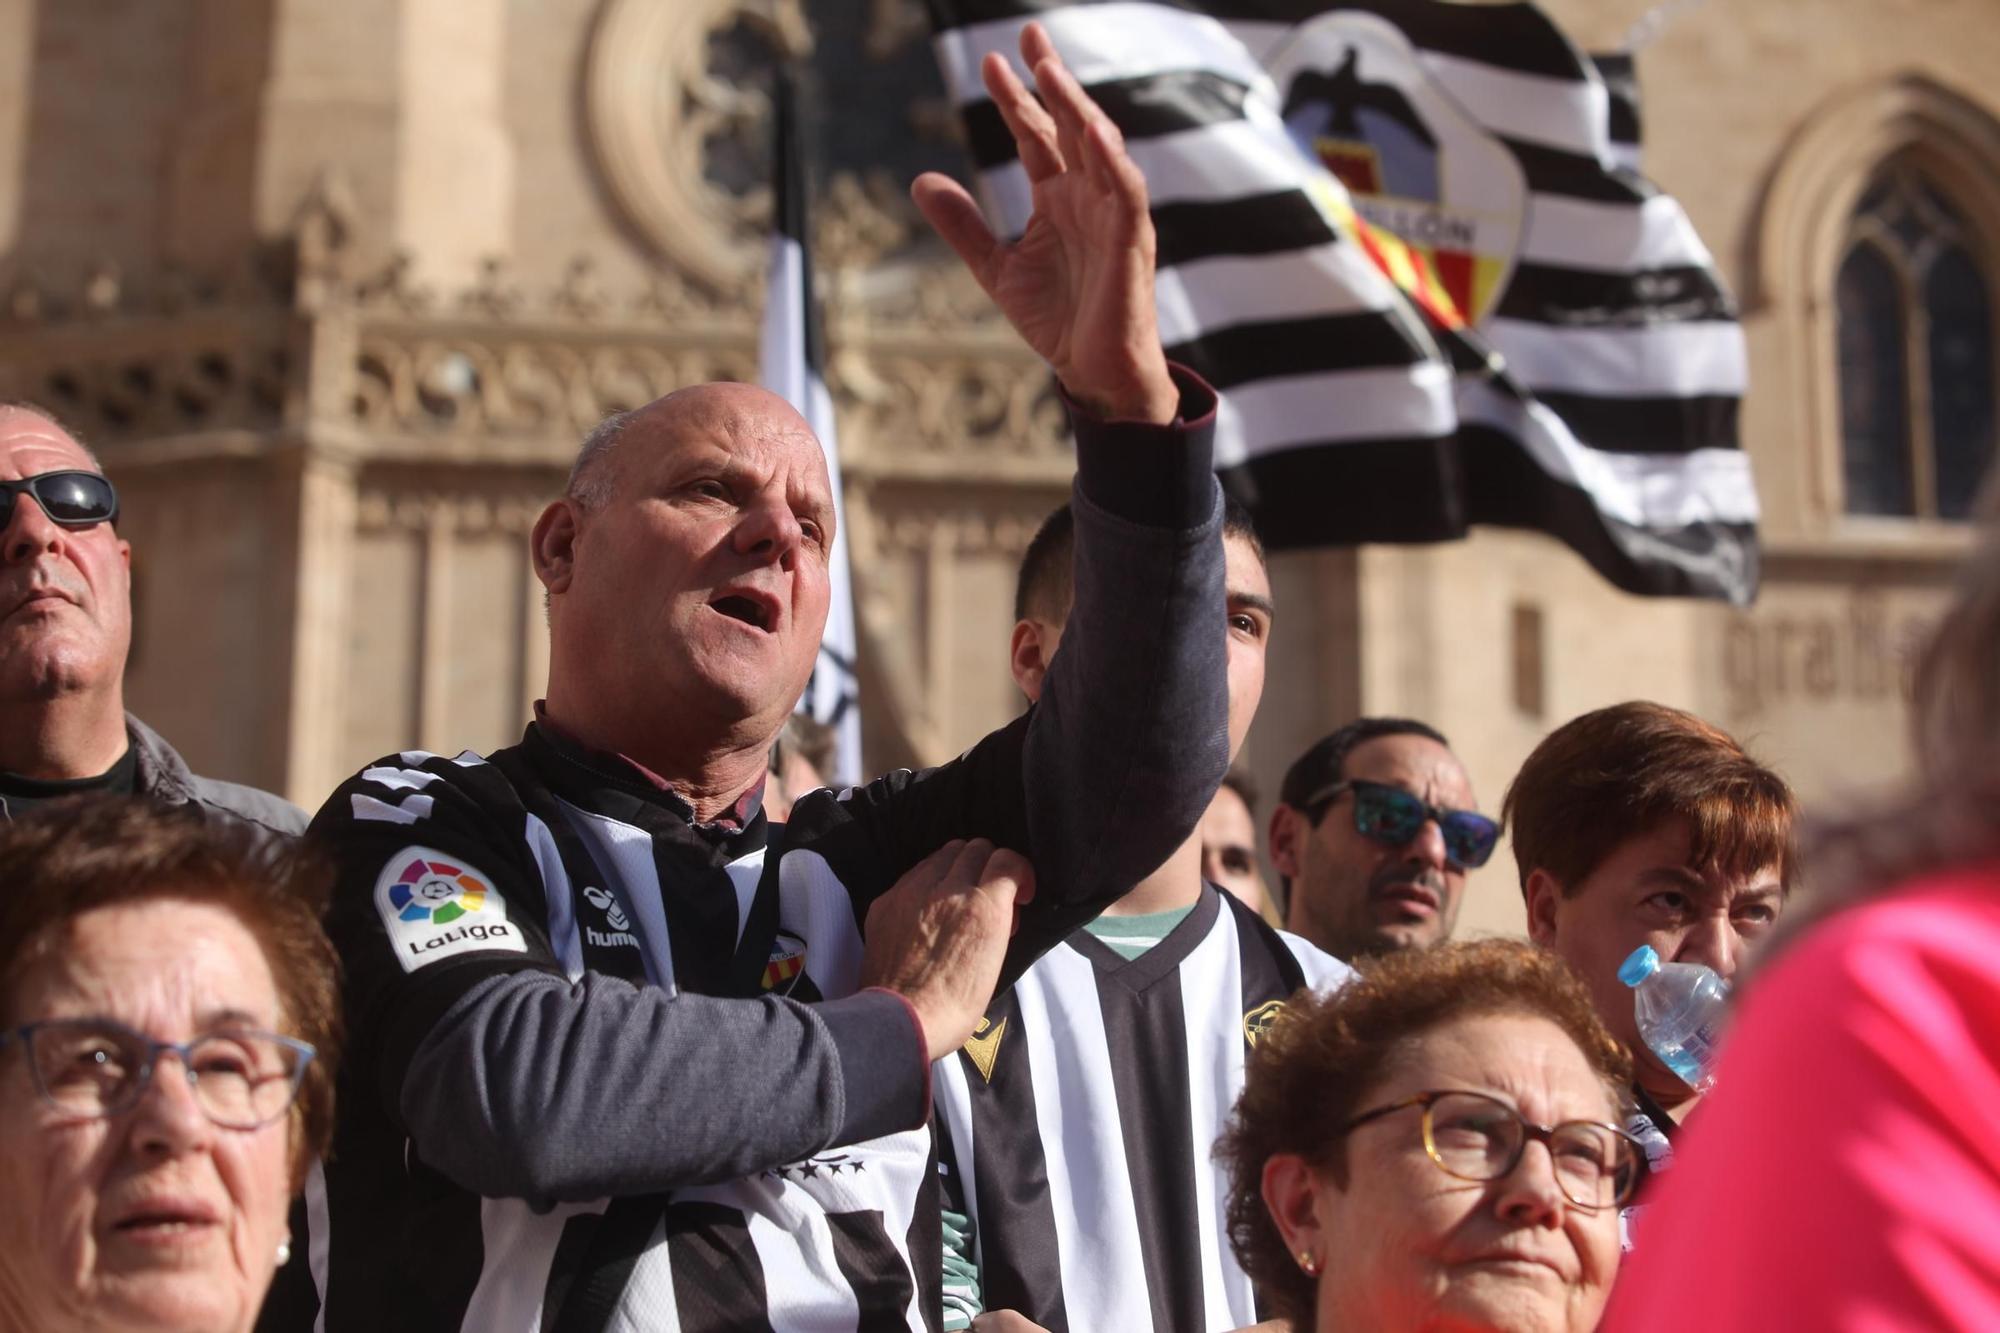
x=939, y=936
x=1078, y=285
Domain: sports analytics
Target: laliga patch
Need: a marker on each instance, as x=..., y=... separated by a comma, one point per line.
x=434, y=905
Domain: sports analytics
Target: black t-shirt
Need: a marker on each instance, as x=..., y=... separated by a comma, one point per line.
x=18, y=795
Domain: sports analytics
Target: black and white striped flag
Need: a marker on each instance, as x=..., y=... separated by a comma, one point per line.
x=1403, y=240
x=792, y=354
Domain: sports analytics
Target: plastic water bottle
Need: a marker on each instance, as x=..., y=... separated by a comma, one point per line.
x=1680, y=1007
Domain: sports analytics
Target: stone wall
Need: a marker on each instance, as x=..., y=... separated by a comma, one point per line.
x=338, y=288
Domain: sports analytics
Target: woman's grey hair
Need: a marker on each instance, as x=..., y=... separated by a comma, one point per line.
x=589, y=481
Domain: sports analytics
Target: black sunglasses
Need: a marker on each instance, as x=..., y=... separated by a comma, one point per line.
x=1393, y=816
x=70, y=499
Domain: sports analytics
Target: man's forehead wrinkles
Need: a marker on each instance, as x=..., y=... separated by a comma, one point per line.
x=723, y=407
x=31, y=444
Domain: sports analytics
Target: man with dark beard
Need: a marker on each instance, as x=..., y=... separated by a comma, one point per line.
x=1374, y=830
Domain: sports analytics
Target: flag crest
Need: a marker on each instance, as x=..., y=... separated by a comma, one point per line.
x=1406, y=241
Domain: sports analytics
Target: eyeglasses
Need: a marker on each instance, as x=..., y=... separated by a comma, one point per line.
x=1392, y=816
x=70, y=499
x=1476, y=1137
x=93, y=1068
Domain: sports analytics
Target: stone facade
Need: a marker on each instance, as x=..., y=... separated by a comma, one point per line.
x=336, y=289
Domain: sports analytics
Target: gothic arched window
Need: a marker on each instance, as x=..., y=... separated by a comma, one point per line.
x=1917, y=354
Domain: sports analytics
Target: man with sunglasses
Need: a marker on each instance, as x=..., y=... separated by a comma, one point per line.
x=1374, y=830
x=65, y=629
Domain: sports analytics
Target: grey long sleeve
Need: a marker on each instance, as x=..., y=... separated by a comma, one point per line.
x=601, y=1110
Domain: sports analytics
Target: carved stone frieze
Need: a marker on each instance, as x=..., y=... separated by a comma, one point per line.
x=385, y=505
x=139, y=379
x=483, y=382
x=905, y=411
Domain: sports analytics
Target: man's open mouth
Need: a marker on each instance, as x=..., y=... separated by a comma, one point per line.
x=749, y=610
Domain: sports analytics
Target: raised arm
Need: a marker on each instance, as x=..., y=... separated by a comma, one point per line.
x=1114, y=767
x=1078, y=284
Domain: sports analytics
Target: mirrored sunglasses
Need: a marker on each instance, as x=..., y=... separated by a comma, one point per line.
x=70, y=499
x=1392, y=816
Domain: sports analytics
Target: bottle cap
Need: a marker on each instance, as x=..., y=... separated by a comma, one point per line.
x=1642, y=963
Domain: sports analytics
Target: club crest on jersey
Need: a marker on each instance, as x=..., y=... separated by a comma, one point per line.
x=788, y=959
x=618, y=926
x=1259, y=1020
x=983, y=1046
x=433, y=905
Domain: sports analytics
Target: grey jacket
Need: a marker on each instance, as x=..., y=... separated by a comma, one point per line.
x=164, y=776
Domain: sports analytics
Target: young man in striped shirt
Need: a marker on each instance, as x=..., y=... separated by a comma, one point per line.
x=1075, y=1127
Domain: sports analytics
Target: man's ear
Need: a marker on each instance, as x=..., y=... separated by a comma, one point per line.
x=1289, y=831
x=1544, y=896
x=552, y=545
x=1289, y=1190
x=1028, y=657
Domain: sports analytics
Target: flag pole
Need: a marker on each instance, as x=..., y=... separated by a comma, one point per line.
x=792, y=354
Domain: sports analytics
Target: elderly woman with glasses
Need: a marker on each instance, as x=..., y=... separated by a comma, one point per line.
x=168, y=1023
x=1435, y=1146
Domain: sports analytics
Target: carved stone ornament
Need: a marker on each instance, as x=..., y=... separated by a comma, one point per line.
x=652, y=105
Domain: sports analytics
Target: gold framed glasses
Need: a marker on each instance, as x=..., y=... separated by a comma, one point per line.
x=1474, y=1136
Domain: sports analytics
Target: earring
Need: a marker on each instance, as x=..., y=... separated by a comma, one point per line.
x=1308, y=1263
x=284, y=1251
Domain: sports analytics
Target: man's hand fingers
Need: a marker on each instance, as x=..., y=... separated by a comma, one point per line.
x=1036, y=44
x=932, y=871
x=1103, y=154
x=1006, y=879
x=951, y=212
x=1128, y=183
x=1008, y=864
x=968, y=868
x=1027, y=120
x=1068, y=107
x=1037, y=48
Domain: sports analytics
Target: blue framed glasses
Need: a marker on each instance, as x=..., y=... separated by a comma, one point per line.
x=94, y=1068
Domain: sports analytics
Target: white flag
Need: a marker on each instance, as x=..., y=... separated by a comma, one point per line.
x=793, y=358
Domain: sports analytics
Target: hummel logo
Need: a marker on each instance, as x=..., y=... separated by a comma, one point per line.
x=614, y=915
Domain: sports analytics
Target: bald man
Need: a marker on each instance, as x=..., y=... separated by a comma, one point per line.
x=65, y=630
x=626, y=1054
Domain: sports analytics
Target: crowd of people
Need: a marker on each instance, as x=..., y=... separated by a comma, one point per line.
x=634, y=1025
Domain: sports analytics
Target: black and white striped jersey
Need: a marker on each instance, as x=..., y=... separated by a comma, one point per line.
x=610, y=1068
x=530, y=860
x=1076, y=1127
x=486, y=867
